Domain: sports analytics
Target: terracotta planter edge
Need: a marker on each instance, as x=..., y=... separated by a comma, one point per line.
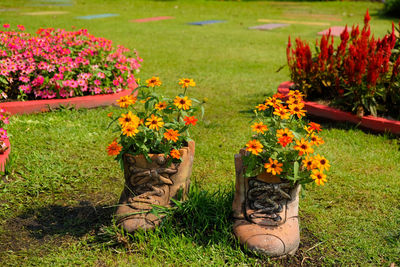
x=91, y=101
x=370, y=122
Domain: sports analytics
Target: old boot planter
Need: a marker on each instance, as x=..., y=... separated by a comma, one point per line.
x=265, y=211
x=152, y=183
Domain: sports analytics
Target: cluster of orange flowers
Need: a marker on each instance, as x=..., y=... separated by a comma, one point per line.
x=287, y=110
x=130, y=122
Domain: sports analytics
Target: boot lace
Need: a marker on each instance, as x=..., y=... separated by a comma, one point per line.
x=266, y=199
x=145, y=183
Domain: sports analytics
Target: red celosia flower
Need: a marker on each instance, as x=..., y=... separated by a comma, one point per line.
x=367, y=18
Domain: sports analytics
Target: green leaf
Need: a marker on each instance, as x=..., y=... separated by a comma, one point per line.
x=296, y=170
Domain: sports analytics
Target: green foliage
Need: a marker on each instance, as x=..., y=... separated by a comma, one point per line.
x=392, y=7
x=283, y=143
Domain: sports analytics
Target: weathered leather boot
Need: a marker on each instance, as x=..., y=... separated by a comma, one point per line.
x=148, y=184
x=265, y=212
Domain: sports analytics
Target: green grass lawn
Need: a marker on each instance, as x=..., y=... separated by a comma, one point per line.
x=56, y=206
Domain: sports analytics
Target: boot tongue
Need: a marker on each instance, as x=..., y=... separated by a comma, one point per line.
x=268, y=178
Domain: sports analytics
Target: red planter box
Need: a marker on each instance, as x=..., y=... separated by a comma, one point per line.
x=369, y=122
x=4, y=157
x=91, y=101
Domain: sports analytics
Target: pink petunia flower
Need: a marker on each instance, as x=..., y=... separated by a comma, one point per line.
x=101, y=75
x=3, y=133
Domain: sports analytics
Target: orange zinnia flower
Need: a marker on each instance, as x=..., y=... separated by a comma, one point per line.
x=261, y=107
x=114, y=148
x=278, y=95
x=315, y=126
x=259, y=127
x=304, y=147
x=171, y=134
x=182, y=103
x=284, y=141
x=254, y=146
x=319, y=177
x=160, y=106
x=153, y=81
x=273, y=166
x=175, y=154
x=190, y=120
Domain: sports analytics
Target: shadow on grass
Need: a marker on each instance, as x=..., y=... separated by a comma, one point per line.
x=63, y=220
x=52, y=226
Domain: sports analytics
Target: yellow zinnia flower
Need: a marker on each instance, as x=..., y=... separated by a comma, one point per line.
x=160, y=105
x=126, y=101
x=272, y=101
x=283, y=133
x=319, y=177
x=304, y=147
x=273, y=166
x=282, y=112
x=293, y=101
x=154, y=122
x=321, y=162
x=254, y=146
x=130, y=130
x=129, y=118
x=316, y=140
x=185, y=82
x=182, y=103
x=153, y=81
x=308, y=163
x=295, y=93
x=259, y=127
x=297, y=110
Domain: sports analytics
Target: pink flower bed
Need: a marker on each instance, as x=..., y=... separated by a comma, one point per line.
x=55, y=63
